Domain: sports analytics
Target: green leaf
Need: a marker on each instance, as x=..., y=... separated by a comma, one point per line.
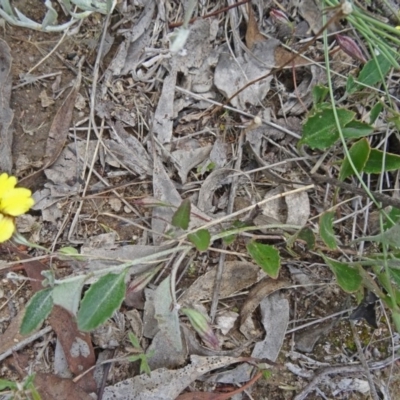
x=235, y=225
x=71, y=252
x=326, y=229
x=390, y=237
x=51, y=16
x=320, y=130
x=201, y=239
x=375, y=111
x=308, y=236
x=134, y=358
x=370, y=74
x=29, y=380
x=396, y=320
x=348, y=278
x=34, y=393
x=394, y=215
x=351, y=86
x=305, y=234
x=181, y=217
x=134, y=340
x=37, y=310
x=101, y=300
x=68, y=295
x=5, y=384
x=144, y=365
x=395, y=275
x=266, y=256
x=359, y=154
x=319, y=93
x=29, y=385
x=374, y=164
x=229, y=239
x=357, y=129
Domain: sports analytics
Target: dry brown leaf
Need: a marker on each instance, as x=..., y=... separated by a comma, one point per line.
x=77, y=346
x=33, y=268
x=275, y=319
x=186, y=160
x=45, y=100
x=60, y=127
x=166, y=384
x=298, y=206
x=262, y=289
x=6, y=114
x=51, y=387
x=11, y=335
x=57, y=134
x=253, y=36
x=163, y=117
x=135, y=155
x=237, y=275
x=218, y=396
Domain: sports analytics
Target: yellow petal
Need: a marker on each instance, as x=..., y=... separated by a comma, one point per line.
x=16, y=201
x=6, y=183
x=7, y=228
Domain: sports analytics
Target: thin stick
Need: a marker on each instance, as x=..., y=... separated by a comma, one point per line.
x=25, y=342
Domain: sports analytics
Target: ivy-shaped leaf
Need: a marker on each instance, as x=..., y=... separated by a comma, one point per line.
x=370, y=74
x=375, y=165
x=101, y=300
x=320, y=130
x=348, y=278
x=201, y=239
x=308, y=236
x=37, y=310
x=266, y=256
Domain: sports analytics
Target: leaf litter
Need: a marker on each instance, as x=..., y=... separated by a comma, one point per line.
x=161, y=142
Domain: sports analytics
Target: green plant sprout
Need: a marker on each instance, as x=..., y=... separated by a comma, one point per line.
x=19, y=391
x=142, y=356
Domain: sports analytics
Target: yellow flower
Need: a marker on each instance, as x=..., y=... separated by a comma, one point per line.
x=14, y=201
x=7, y=227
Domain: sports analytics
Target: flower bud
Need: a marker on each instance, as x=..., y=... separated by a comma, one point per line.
x=350, y=47
x=202, y=327
x=279, y=16
x=142, y=280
